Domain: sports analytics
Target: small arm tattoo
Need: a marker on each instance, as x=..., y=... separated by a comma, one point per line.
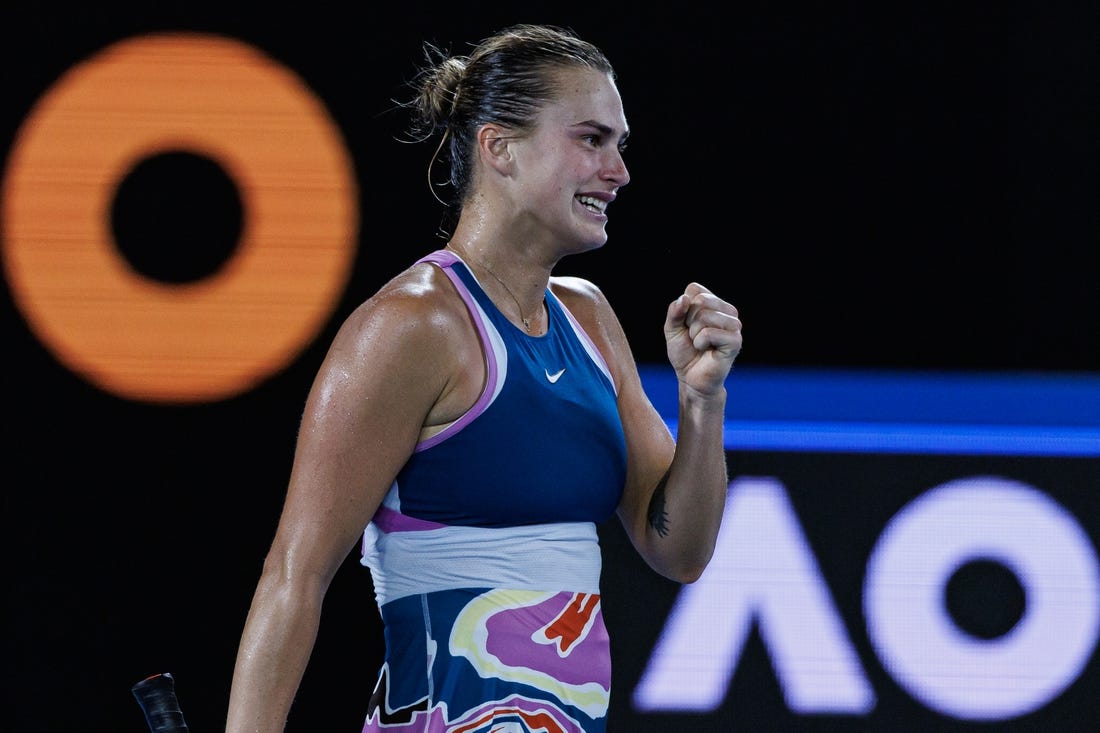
x=658, y=517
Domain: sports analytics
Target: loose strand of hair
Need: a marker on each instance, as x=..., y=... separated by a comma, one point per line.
x=431, y=164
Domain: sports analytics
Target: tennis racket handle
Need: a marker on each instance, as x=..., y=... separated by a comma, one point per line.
x=157, y=697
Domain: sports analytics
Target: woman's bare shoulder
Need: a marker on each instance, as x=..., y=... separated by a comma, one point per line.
x=418, y=302
x=588, y=304
x=578, y=292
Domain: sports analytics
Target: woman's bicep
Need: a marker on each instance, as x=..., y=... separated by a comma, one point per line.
x=360, y=423
x=649, y=450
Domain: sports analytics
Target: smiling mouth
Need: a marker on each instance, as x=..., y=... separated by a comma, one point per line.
x=593, y=204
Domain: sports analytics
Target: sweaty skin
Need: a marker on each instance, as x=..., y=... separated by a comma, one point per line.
x=407, y=362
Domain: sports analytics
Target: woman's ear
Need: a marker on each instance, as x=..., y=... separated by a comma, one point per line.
x=494, y=147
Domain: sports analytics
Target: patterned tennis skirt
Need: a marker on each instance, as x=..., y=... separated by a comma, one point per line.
x=493, y=661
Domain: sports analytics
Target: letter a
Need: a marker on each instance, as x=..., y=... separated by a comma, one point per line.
x=764, y=572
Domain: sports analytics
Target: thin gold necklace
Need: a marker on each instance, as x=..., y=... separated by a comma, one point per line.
x=483, y=266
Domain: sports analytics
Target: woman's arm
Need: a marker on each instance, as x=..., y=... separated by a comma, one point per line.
x=378, y=386
x=676, y=488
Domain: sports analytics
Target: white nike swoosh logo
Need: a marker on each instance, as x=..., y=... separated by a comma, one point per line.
x=554, y=377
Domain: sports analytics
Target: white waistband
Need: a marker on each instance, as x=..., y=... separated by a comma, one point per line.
x=564, y=556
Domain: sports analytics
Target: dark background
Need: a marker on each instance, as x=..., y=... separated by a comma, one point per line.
x=907, y=186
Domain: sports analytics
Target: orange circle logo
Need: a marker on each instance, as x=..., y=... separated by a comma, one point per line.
x=198, y=341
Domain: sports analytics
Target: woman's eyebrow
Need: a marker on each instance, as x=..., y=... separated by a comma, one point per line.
x=603, y=129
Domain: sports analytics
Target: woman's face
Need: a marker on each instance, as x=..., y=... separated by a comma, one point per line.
x=570, y=167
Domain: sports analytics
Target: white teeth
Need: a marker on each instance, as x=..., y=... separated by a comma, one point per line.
x=593, y=203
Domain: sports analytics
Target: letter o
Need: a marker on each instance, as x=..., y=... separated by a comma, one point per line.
x=165, y=342
x=919, y=643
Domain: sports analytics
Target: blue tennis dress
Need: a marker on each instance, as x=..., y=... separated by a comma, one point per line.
x=484, y=552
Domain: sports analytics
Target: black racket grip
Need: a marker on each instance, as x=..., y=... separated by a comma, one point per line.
x=157, y=697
